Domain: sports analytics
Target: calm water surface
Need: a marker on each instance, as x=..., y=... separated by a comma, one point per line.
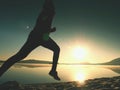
x=29, y=73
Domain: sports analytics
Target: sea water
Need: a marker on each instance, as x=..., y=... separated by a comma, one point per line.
x=38, y=73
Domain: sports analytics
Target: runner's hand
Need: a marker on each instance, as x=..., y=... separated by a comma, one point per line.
x=53, y=29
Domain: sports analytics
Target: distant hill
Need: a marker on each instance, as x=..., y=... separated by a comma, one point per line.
x=82, y=63
x=47, y=62
x=31, y=61
x=35, y=61
x=113, y=62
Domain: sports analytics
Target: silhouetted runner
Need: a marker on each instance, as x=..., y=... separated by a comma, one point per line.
x=38, y=36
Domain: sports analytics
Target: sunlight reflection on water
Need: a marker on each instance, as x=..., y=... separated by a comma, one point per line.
x=81, y=73
x=80, y=77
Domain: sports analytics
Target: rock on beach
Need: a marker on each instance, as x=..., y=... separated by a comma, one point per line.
x=91, y=84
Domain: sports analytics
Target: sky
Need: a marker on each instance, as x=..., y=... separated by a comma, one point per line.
x=87, y=30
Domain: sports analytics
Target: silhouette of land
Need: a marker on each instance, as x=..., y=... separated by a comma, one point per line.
x=113, y=62
x=33, y=61
x=36, y=61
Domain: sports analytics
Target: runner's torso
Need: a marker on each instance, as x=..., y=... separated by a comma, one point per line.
x=44, y=22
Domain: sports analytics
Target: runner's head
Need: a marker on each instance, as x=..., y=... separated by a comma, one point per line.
x=49, y=5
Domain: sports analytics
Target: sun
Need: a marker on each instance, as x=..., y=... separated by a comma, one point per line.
x=79, y=52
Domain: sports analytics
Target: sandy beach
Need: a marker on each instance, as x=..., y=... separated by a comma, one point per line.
x=91, y=84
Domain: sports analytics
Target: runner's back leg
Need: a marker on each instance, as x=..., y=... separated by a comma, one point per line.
x=24, y=51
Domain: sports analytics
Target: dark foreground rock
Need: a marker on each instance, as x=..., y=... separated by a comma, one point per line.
x=91, y=84
x=103, y=84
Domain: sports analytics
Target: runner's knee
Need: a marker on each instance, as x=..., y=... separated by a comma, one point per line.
x=57, y=49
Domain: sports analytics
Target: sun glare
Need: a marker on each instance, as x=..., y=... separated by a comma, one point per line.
x=79, y=52
x=80, y=77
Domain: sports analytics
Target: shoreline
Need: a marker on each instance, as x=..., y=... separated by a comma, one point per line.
x=90, y=84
